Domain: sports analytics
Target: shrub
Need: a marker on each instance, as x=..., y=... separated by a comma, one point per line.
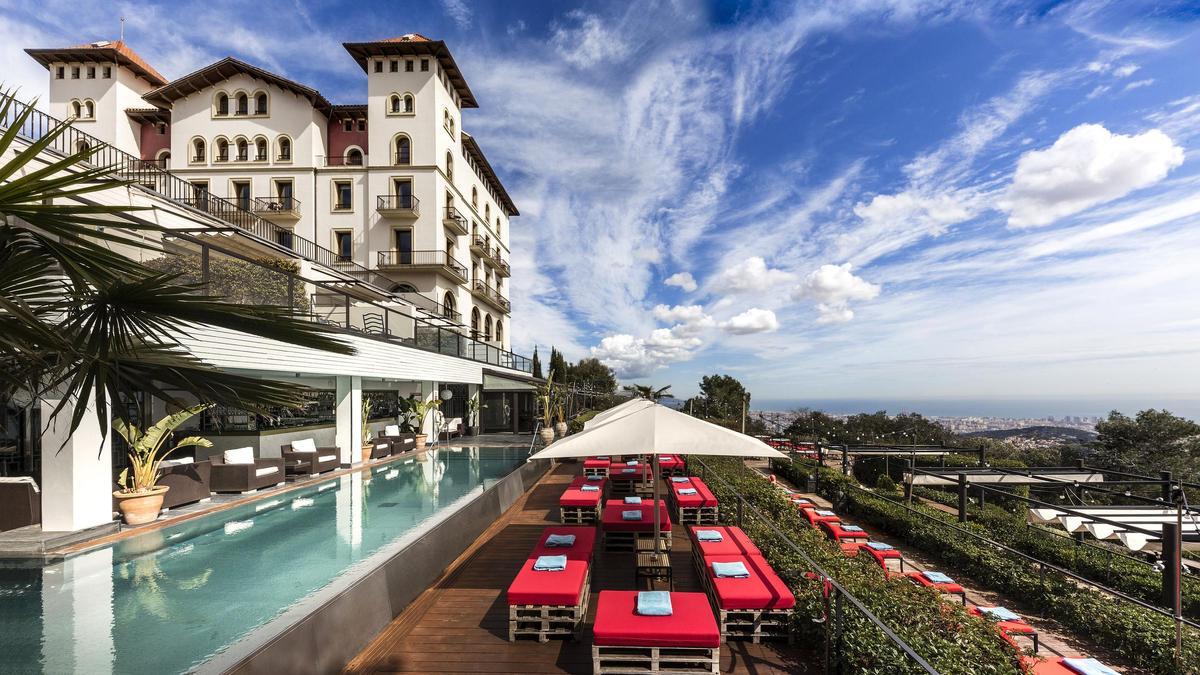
x=885, y=484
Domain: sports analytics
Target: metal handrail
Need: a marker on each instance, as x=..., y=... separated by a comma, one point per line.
x=398, y=202
x=276, y=204
x=744, y=505
x=479, y=286
x=39, y=125
x=396, y=258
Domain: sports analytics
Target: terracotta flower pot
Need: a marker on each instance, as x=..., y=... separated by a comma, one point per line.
x=366, y=452
x=139, y=508
x=420, y=441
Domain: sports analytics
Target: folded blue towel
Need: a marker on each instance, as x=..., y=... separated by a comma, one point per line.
x=680, y=479
x=633, y=500
x=938, y=578
x=595, y=478
x=852, y=528
x=550, y=563
x=589, y=488
x=563, y=540
x=879, y=546
x=1000, y=613
x=654, y=603
x=731, y=570
x=631, y=515
x=709, y=535
x=632, y=462
x=1088, y=667
x=602, y=457
x=822, y=512
x=687, y=491
x=628, y=470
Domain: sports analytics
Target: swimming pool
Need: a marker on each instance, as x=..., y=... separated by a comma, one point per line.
x=167, y=601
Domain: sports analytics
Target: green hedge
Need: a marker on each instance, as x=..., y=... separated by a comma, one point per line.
x=949, y=638
x=1142, y=637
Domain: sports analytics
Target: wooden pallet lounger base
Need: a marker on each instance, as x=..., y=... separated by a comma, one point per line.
x=547, y=621
x=756, y=624
x=672, y=660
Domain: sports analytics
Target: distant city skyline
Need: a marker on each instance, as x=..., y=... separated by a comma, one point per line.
x=1026, y=408
x=892, y=199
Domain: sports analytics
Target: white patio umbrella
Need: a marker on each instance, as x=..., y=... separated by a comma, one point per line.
x=653, y=429
x=617, y=412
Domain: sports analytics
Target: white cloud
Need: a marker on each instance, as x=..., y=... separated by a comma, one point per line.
x=589, y=41
x=1126, y=70
x=833, y=287
x=631, y=357
x=1139, y=84
x=683, y=280
x=753, y=320
x=458, y=10
x=688, y=320
x=752, y=274
x=1087, y=165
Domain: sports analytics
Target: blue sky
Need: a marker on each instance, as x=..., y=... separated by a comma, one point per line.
x=840, y=199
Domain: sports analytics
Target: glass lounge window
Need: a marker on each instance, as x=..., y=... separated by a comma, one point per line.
x=342, y=244
x=343, y=193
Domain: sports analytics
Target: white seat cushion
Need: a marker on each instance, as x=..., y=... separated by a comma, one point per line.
x=304, y=445
x=177, y=462
x=326, y=458
x=239, y=455
x=266, y=470
x=20, y=479
x=391, y=430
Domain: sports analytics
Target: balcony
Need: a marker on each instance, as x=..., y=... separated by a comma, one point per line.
x=501, y=265
x=423, y=261
x=398, y=206
x=479, y=245
x=345, y=160
x=492, y=258
x=490, y=296
x=455, y=221
x=276, y=208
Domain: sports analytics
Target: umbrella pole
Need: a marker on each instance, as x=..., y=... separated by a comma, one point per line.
x=657, y=523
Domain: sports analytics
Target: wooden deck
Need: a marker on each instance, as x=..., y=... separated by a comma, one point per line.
x=460, y=625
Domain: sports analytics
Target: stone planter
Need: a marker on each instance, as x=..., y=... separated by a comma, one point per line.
x=561, y=429
x=139, y=508
x=547, y=435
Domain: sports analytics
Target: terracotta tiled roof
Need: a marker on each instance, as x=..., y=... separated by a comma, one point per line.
x=102, y=50
x=409, y=37
x=223, y=70
x=415, y=44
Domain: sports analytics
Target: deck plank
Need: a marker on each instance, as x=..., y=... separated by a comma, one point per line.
x=460, y=625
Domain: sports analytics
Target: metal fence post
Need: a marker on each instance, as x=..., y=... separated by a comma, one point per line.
x=962, y=498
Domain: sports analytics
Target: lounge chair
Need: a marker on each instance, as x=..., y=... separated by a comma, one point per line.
x=190, y=481
x=816, y=515
x=698, y=506
x=306, y=457
x=596, y=466
x=20, y=502
x=670, y=465
x=624, y=641
x=545, y=604
x=756, y=607
x=401, y=442
x=842, y=532
x=634, y=535
x=1063, y=665
x=578, y=506
x=890, y=559
x=381, y=449
x=239, y=470
x=1009, y=629
x=948, y=589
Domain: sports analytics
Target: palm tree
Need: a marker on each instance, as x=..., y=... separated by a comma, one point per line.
x=86, y=325
x=648, y=392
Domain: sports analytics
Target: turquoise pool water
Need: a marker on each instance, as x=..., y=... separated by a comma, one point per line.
x=167, y=601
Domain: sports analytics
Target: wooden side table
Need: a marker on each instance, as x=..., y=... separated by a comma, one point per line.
x=653, y=566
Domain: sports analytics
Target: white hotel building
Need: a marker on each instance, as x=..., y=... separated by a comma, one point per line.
x=382, y=219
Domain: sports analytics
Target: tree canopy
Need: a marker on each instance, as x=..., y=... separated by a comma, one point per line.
x=593, y=375
x=1151, y=441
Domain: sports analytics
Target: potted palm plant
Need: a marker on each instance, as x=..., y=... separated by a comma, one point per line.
x=560, y=427
x=422, y=409
x=473, y=415
x=141, y=497
x=366, y=429
x=546, y=399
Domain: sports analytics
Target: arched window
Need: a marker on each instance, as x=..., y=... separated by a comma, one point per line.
x=164, y=158
x=260, y=103
x=82, y=146
x=198, y=151
x=222, y=150
x=77, y=108
x=285, y=149
x=448, y=305
x=487, y=211
x=499, y=331
x=487, y=328
x=474, y=197
x=354, y=157
x=403, y=150
x=497, y=226
x=475, y=322
x=394, y=104
x=449, y=166
x=404, y=288
x=89, y=109
x=243, y=150
x=260, y=150
x=222, y=104
x=410, y=104
x=446, y=118
x=243, y=104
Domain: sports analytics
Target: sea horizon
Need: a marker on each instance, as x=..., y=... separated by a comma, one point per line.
x=1037, y=408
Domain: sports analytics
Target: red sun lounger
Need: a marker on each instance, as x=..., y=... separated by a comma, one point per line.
x=634, y=535
x=1010, y=630
x=889, y=559
x=546, y=604
x=688, y=639
x=951, y=588
x=1057, y=665
x=595, y=466
x=579, y=506
x=839, y=532
x=733, y=542
x=670, y=465
x=817, y=516
x=583, y=548
x=699, y=508
x=757, y=606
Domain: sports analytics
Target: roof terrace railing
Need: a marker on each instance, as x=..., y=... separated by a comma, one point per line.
x=157, y=179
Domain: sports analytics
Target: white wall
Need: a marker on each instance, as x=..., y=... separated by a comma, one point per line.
x=112, y=96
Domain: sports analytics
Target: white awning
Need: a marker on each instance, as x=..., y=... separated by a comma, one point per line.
x=616, y=412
